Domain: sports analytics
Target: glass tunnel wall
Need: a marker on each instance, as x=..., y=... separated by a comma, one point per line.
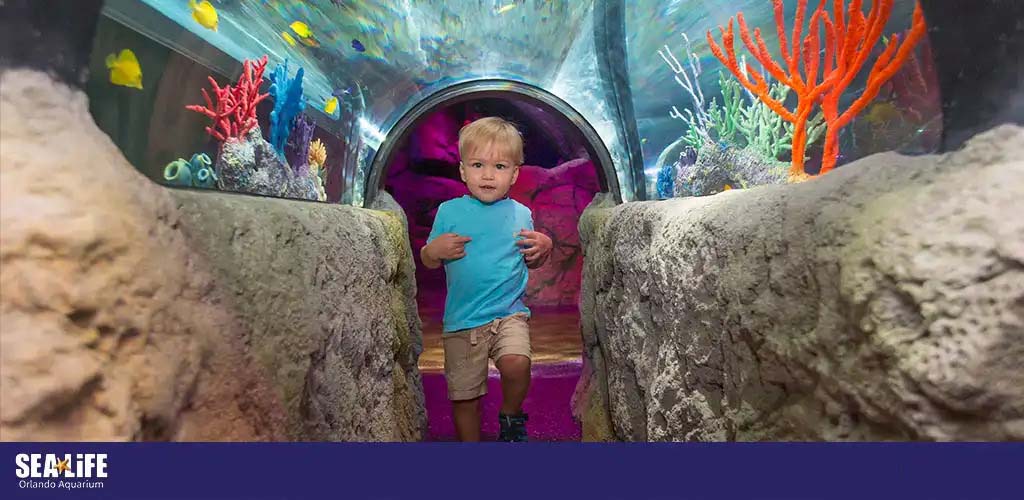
x=624, y=66
x=377, y=59
x=668, y=51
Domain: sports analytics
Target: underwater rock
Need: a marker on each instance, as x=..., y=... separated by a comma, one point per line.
x=718, y=166
x=884, y=301
x=253, y=166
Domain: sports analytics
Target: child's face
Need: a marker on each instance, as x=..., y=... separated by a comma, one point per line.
x=488, y=173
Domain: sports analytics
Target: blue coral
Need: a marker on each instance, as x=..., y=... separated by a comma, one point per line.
x=288, y=102
x=666, y=179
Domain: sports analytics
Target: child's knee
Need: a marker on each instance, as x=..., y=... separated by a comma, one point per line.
x=513, y=365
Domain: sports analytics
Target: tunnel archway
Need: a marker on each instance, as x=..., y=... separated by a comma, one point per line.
x=562, y=172
x=493, y=88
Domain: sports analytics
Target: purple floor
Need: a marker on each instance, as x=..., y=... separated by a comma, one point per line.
x=547, y=403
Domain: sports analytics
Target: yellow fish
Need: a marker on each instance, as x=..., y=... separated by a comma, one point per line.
x=331, y=105
x=288, y=38
x=305, y=34
x=125, y=69
x=300, y=28
x=505, y=8
x=204, y=14
x=727, y=187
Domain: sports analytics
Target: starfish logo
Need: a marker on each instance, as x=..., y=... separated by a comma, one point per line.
x=63, y=465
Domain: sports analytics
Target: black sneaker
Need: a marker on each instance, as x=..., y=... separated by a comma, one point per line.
x=513, y=428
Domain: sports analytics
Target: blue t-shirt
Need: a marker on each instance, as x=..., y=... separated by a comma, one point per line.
x=489, y=282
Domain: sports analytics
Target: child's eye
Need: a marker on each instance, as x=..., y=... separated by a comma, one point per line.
x=478, y=165
x=500, y=166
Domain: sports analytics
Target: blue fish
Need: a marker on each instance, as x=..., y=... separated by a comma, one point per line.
x=356, y=44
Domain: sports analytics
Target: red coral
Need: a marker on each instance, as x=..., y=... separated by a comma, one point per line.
x=235, y=112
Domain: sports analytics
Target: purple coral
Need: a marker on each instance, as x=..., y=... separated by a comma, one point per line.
x=297, y=149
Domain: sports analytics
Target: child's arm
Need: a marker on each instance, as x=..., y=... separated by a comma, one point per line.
x=440, y=246
x=445, y=247
x=448, y=246
x=537, y=248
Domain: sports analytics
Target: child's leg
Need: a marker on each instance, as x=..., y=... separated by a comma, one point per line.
x=512, y=354
x=465, y=371
x=467, y=419
x=515, y=382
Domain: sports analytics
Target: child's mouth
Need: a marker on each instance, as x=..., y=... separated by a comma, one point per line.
x=488, y=188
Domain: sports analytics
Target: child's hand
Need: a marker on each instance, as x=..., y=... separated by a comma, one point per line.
x=537, y=247
x=448, y=246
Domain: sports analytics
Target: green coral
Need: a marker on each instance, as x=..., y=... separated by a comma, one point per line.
x=748, y=123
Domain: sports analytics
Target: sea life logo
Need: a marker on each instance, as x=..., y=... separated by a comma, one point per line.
x=61, y=471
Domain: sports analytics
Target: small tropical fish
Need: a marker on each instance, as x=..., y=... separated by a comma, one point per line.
x=356, y=44
x=340, y=92
x=882, y=112
x=125, y=69
x=204, y=14
x=727, y=187
x=302, y=29
x=310, y=42
x=288, y=38
x=331, y=105
x=504, y=8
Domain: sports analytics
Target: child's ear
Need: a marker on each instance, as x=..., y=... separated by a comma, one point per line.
x=515, y=174
x=462, y=171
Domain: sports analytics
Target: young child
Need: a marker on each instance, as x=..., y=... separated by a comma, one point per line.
x=486, y=242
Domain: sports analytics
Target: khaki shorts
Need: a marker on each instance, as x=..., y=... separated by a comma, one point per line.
x=466, y=353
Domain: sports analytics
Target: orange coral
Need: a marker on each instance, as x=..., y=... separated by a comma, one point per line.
x=858, y=35
x=847, y=46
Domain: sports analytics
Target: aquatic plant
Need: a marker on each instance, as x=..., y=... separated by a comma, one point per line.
x=288, y=103
x=297, y=149
x=849, y=40
x=234, y=113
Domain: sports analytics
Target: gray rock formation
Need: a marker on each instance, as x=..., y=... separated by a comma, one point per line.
x=252, y=166
x=884, y=300
x=134, y=312
x=717, y=166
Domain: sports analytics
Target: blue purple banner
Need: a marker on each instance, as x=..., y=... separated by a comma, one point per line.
x=497, y=471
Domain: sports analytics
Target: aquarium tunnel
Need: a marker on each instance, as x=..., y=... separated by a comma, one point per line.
x=769, y=219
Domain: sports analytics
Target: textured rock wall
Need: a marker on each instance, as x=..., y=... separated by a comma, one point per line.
x=130, y=311
x=884, y=300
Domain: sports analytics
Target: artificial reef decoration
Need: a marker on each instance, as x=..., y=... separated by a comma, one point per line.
x=288, y=103
x=234, y=112
x=196, y=172
x=247, y=163
x=850, y=37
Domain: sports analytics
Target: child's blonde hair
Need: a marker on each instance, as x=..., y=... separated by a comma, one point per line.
x=492, y=132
